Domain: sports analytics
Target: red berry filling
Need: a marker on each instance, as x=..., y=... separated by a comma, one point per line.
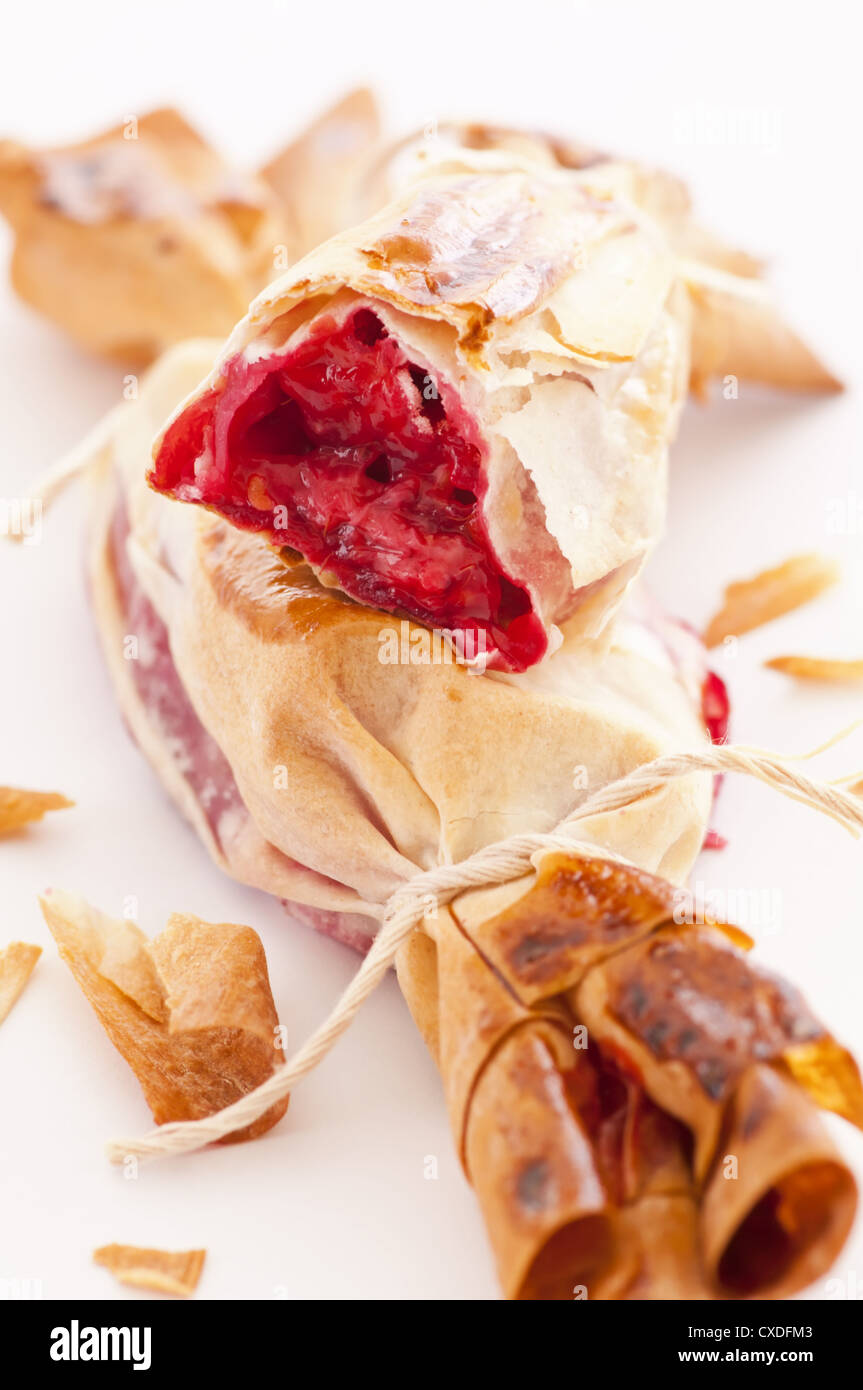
x=715, y=707
x=716, y=713
x=344, y=450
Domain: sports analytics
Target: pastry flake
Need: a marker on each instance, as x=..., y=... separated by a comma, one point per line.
x=749, y=603
x=137, y=238
x=19, y=807
x=191, y=1011
x=819, y=668
x=174, y=1272
x=17, y=963
x=738, y=332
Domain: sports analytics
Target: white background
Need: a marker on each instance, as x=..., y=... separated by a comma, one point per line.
x=334, y=1203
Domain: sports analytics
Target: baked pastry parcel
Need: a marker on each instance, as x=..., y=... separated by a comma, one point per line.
x=737, y=329
x=145, y=235
x=376, y=750
x=634, y=1102
x=139, y=237
x=460, y=410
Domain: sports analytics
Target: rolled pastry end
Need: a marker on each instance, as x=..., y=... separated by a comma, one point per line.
x=509, y=1081
x=780, y=1202
x=532, y=1165
x=571, y=1262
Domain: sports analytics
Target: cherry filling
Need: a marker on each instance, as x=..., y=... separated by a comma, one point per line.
x=716, y=713
x=715, y=707
x=344, y=450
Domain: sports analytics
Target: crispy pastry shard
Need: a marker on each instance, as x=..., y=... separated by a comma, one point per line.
x=739, y=332
x=818, y=668
x=643, y=1123
x=137, y=238
x=749, y=603
x=17, y=963
x=316, y=176
x=164, y=1271
x=191, y=1012
x=736, y=328
x=19, y=807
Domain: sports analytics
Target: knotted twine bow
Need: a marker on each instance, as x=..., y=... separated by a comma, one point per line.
x=498, y=863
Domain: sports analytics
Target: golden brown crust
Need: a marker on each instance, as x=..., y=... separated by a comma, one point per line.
x=273, y=593
x=576, y=910
x=255, y=633
x=416, y=969
x=658, y=1236
x=533, y=1169
x=481, y=251
x=561, y=1171
x=687, y=1013
x=780, y=1202
x=500, y=257
x=192, y=1012
x=476, y=1014
x=736, y=328
x=678, y=1023
x=598, y=1126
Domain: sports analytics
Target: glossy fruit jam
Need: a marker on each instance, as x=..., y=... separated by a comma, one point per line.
x=716, y=713
x=344, y=450
x=715, y=707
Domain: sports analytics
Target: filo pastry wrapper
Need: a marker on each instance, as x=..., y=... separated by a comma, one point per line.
x=325, y=751
x=635, y=1101
x=459, y=411
x=737, y=329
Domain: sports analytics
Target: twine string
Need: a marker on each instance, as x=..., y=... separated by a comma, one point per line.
x=76, y=462
x=499, y=863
